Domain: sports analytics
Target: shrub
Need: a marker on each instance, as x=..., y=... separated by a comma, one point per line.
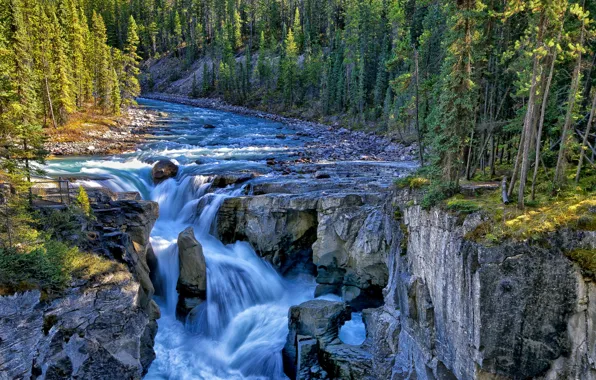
x=50, y=267
x=83, y=201
x=412, y=182
x=437, y=192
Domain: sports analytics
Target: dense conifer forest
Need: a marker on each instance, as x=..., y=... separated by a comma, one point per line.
x=485, y=88
x=475, y=83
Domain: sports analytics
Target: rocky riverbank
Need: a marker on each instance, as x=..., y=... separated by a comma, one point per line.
x=437, y=305
x=331, y=143
x=120, y=136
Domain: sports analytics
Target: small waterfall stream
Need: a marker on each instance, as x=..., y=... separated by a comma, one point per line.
x=239, y=331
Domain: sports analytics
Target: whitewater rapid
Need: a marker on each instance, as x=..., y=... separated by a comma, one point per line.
x=240, y=330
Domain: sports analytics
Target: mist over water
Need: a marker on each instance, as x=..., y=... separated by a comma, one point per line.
x=239, y=331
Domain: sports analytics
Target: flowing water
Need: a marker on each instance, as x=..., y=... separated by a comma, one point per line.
x=238, y=333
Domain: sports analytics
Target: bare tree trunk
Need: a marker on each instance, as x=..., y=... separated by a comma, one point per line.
x=528, y=121
x=559, y=178
x=517, y=162
x=417, y=110
x=585, y=141
x=542, y=114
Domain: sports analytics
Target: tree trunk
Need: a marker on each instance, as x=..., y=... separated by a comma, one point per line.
x=417, y=110
x=542, y=114
x=585, y=141
x=525, y=165
x=559, y=178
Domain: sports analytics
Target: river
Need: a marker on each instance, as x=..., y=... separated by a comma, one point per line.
x=239, y=332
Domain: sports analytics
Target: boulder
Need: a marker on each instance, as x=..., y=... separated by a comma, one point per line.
x=209, y=126
x=163, y=170
x=192, y=282
x=315, y=324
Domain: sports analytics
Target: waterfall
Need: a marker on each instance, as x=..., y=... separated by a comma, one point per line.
x=239, y=331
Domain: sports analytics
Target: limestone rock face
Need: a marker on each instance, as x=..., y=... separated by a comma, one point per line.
x=124, y=229
x=455, y=309
x=344, y=238
x=281, y=228
x=192, y=282
x=95, y=331
x=353, y=241
x=163, y=170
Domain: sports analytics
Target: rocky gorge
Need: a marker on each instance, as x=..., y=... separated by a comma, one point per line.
x=218, y=238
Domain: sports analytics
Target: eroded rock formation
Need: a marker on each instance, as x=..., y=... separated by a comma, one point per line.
x=192, y=282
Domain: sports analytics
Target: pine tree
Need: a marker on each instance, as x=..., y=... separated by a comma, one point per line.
x=454, y=118
x=195, y=91
x=115, y=99
x=64, y=99
x=129, y=83
x=101, y=63
x=289, y=69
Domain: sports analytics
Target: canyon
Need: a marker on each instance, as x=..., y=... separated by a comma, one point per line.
x=250, y=261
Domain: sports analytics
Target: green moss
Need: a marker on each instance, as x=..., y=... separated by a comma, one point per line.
x=464, y=206
x=586, y=259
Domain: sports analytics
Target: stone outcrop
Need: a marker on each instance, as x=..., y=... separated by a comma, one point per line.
x=313, y=349
x=123, y=229
x=452, y=308
x=281, y=228
x=163, y=170
x=99, y=328
x=192, y=282
x=342, y=237
x=352, y=246
x=337, y=228
x=95, y=331
x=455, y=309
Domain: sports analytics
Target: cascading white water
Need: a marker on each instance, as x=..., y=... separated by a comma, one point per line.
x=238, y=333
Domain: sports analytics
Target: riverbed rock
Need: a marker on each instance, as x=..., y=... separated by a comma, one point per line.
x=163, y=170
x=209, y=126
x=192, y=282
x=318, y=320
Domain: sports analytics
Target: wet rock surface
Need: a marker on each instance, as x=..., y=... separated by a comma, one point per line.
x=313, y=349
x=162, y=170
x=192, y=282
x=335, y=227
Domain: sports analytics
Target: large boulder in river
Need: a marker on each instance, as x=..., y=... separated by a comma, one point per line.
x=312, y=326
x=163, y=170
x=192, y=282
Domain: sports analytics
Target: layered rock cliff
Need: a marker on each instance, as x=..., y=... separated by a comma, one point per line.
x=450, y=308
x=458, y=309
x=99, y=328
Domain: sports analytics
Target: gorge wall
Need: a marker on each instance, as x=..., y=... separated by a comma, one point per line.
x=450, y=308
